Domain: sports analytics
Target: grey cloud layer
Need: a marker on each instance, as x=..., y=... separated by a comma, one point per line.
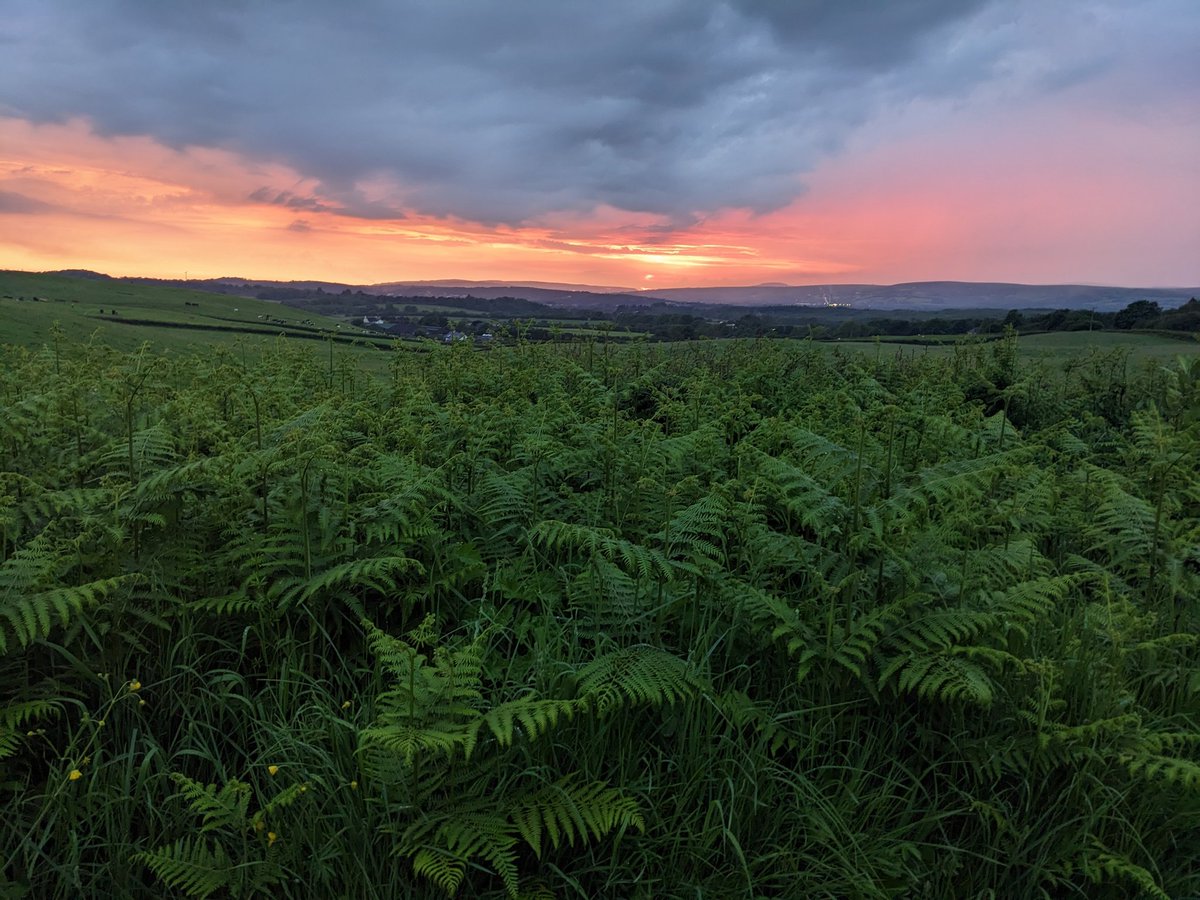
x=501, y=112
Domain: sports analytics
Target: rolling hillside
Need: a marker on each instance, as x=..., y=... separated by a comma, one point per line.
x=125, y=315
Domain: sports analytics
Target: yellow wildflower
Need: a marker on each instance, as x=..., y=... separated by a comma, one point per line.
x=271, y=838
x=135, y=685
x=354, y=785
x=75, y=775
x=346, y=704
x=272, y=769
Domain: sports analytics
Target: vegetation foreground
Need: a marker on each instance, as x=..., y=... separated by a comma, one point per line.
x=568, y=621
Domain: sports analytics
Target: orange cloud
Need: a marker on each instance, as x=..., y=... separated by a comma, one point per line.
x=999, y=203
x=129, y=205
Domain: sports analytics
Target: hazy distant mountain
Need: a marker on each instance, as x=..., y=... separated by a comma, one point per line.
x=563, y=296
x=928, y=295
x=397, y=287
x=919, y=295
x=915, y=296
x=86, y=274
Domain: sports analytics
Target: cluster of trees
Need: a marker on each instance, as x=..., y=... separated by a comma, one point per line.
x=665, y=322
x=1141, y=314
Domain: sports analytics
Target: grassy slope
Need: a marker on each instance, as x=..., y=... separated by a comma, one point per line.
x=160, y=315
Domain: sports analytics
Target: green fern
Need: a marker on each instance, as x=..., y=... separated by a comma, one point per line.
x=228, y=859
x=941, y=676
x=1101, y=866
x=432, y=707
x=634, y=675
x=30, y=603
x=218, y=809
x=567, y=812
x=195, y=866
x=641, y=562
x=535, y=716
x=16, y=716
x=443, y=849
x=1155, y=767
x=444, y=868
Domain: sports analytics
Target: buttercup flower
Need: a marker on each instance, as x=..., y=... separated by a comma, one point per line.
x=75, y=775
x=272, y=769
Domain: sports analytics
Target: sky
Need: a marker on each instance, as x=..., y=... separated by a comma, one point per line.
x=632, y=143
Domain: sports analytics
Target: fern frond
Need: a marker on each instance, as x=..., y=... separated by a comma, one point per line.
x=377, y=573
x=641, y=562
x=941, y=676
x=446, y=846
x=1171, y=769
x=535, y=716
x=697, y=532
x=443, y=868
x=1100, y=867
x=31, y=617
x=743, y=711
x=223, y=808
x=566, y=812
x=16, y=715
x=192, y=865
x=634, y=675
x=432, y=706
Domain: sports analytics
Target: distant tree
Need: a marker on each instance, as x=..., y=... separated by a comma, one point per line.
x=1185, y=318
x=1082, y=320
x=1053, y=321
x=1138, y=314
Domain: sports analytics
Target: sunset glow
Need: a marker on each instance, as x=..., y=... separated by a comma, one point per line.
x=1055, y=164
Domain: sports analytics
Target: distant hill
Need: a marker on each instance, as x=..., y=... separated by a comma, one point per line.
x=82, y=273
x=563, y=297
x=392, y=287
x=929, y=295
x=917, y=296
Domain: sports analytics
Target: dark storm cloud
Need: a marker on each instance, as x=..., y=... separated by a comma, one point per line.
x=288, y=199
x=872, y=36
x=501, y=112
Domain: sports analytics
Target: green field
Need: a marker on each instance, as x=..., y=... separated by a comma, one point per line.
x=173, y=320
x=125, y=316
